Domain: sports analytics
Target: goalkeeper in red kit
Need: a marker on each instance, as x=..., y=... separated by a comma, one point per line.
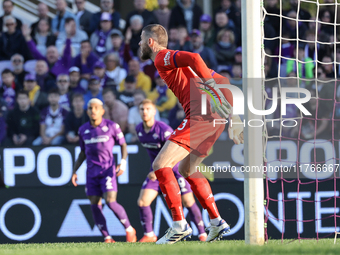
x=186, y=75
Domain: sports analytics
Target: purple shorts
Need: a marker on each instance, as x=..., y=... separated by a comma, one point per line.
x=182, y=182
x=97, y=186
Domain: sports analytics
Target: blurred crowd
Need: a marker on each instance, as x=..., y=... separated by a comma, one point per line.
x=51, y=69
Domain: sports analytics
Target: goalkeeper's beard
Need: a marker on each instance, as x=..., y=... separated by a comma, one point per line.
x=146, y=52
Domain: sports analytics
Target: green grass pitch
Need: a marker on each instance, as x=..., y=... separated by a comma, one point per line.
x=325, y=246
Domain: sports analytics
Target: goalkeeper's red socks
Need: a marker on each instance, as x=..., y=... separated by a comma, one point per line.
x=171, y=192
x=202, y=190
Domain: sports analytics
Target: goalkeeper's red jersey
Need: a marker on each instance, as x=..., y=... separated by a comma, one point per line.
x=177, y=69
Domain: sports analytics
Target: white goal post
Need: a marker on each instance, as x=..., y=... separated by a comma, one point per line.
x=253, y=144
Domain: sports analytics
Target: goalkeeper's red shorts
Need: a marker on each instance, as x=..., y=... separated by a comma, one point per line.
x=197, y=134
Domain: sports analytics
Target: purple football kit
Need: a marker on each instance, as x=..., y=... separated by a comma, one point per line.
x=153, y=141
x=97, y=143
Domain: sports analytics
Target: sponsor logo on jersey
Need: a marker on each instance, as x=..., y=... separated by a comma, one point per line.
x=167, y=59
x=86, y=131
x=105, y=129
x=151, y=145
x=98, y=139
x=155, y=136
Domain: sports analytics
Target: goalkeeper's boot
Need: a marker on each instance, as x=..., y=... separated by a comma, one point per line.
x=173, y=235
x=216, y=232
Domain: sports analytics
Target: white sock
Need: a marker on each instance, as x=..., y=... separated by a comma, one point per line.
x=129, y=229
x=216, y=221
x=150, y=234
x=180, y=225
x=108, y=237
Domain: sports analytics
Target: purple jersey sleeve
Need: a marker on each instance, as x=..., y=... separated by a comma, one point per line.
x=118, y=134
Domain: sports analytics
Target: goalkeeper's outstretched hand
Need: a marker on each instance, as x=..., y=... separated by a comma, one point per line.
x=236, y=131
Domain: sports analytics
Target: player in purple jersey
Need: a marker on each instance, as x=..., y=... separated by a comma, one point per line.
x=153, y=134
x=97, y=138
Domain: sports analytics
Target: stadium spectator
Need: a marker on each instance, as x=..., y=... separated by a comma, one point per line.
x=163, y=13
x=236, y=79
x=225, y=73
x=134, y=117
x=43, y=36
x=327, y=64
x=176, y=116
x=287, y=48
x=206, y=53
x=148, y=17
x=271, y=8
x=85, y=60
x=17, y=62
x=42, y=14
x=77, y=84
x=94, y=90
x=51, y=122
x=75, y=119
x=7, y=89
x=238, y=56
x=225, y=48
x=126, y=96
x=136, y=26
x=289, y=26
x=106, y=6
x=44, y=78
x=99, y=71
x=101, y=38
x=183, y=40
x=162, y=97
x=173, y=38
x=294, y=6
x=115, y=110
x=22, y=122
x=232, y=10
x=57, y=65
x=83, y=16
x=223, y=22
x=37, y=98
x=7, y=6
x=327, y=17
x=12, y=41
x=207, y=30
x=143, y=81
x=310, y=46
x=115, y=74
x=63, y=84
x=305, y=65
x=58, y=22
x=73, y=33
x=3, y=117
x=121, y=47
x=186, y=13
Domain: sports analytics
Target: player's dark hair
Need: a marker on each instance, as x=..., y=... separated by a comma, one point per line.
x=77, y=95
x=158, y=33
x=85, y=41
x=108, y=90
x=22, y=92
x=147, y=101
x=7, y=1
x=6, y=71
x=53, y=91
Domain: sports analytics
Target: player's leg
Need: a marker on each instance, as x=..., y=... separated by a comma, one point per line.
x=168, y=157
x=202, y=190
x=108, y=184
x=94, y=194
x=146, y=196
x=195, y=214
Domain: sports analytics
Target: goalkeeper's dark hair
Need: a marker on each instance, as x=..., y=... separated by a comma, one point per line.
x=158, y=33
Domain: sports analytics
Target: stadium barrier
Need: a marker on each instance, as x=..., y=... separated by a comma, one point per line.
x=43, y=206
